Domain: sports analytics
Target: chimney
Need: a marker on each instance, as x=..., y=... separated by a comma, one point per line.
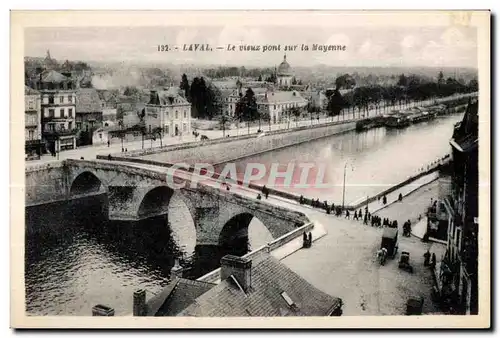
x=102, y=310
x=139, y=303
x=152, y=97
x=238, y=267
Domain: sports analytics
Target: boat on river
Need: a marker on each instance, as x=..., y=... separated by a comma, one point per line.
x=397, y=120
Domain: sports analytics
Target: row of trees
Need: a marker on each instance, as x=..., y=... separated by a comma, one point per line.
x=408, y=89
x=205, y=99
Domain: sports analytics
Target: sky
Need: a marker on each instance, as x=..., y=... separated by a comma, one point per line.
x=438, y=46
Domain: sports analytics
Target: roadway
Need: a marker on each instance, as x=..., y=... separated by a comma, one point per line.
x=90, y=152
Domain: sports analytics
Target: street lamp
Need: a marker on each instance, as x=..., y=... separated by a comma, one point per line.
x=343, y=189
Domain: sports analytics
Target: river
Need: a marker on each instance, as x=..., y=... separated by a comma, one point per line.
x=77, y=259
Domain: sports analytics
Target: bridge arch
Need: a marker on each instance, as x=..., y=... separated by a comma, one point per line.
x=236, y=234
x=85, y=183
x=155, y=201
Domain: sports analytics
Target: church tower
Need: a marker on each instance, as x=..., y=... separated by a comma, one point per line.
x=284, y=74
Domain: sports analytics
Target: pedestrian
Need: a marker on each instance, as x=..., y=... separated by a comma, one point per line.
x=369, y=216
x=304, y=240
x=400, y=197
x=347, y=214
x=109, y=157
x=333, y=206
x=384, y=200
x=108, y=143
x=259, y=197
x=301, y=199
x=355, y=215
x=360, y=213
x=365, y=219
x=126, y=149
x=427, y=256
x=123, y=150
x=433, y=261
x=227, y=187
x=310, y=239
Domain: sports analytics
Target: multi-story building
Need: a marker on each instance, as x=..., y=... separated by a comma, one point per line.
x=32, y=122
x=459, y=269
x=58, y=110
x=89, y=115
x=169, y=112
x=277, y=105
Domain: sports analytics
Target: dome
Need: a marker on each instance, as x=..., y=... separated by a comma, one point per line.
x=284, y=68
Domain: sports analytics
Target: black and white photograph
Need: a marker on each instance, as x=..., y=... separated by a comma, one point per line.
x=251, y=164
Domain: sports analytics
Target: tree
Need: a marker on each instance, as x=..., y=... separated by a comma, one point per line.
x=294, y=81
x=335, y=103
x=296, y=112
x=345, y=81
x=246, y=107
x=223, y=121
x=260, y=78
x=185, y=87
x=440, y=78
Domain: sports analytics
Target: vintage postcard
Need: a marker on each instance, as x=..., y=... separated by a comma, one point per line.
x=266, y=169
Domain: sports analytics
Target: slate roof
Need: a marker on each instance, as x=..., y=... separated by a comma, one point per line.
x=87, y=101
x=177, y=296
x=169, y=97
x=270, y=279
x=282, y=97
x=30, y=91
x=54, y=77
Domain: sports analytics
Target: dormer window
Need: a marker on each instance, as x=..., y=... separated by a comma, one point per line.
x=287, y=299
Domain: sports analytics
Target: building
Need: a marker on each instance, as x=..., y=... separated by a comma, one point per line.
x=32, y=123
x=459, y=268
x=168, y=112
x=284, y=74
x=261, y=287
x=277, y=105
x=58, y=110
x=89, y=115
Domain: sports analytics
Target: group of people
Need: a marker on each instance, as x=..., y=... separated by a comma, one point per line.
x=429, y=260
x=407, y=228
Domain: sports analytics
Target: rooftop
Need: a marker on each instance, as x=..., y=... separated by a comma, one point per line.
x=88, y=101
x=281, y=97
x=30, y=91
x=275, y=291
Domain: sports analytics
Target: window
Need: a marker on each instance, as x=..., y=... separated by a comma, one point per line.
x=184, y=127
x=100, y=135
x=149, y=128
x=70, y=112
x=62, y=112
x=70, y=125
x=70, y=99
x=31, y=135
x=79, y=125
x=51, y=99
x=185, y=114
x=51, y=112
x=274, y=106
x=176, y=114
x=61, y=99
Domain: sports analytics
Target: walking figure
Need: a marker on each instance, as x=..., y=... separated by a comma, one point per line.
x=347, y=214
x=433, y=261
x=384, y=200
x=400, y=197
x=427, y=257
x=360, y=213
x=108, y=143
x=355, y=216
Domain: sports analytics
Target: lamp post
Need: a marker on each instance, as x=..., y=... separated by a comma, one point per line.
x=343, y=189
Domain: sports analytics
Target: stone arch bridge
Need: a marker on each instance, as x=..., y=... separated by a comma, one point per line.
x=137, y=191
